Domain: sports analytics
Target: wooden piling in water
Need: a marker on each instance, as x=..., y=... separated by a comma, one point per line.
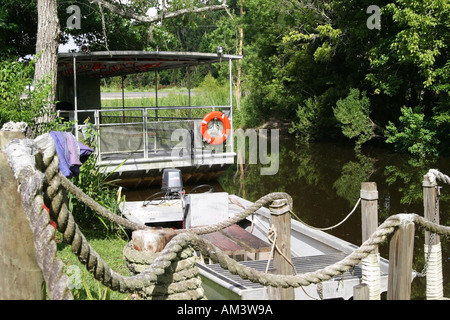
x=401, y=250
x=371, y=271
x=431, y=212
x=281, y=221
x=432, y=246
x=369, y=209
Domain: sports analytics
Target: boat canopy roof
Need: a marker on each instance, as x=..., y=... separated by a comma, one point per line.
x=102, y=64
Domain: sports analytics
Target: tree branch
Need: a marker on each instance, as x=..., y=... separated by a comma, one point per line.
x=131, y=14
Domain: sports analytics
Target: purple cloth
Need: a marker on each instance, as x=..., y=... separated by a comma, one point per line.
x=71, y=153
x=72, y=150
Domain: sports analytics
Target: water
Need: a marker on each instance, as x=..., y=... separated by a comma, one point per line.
x=324, y=180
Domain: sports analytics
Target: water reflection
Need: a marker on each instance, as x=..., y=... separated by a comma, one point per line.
x=324, y=180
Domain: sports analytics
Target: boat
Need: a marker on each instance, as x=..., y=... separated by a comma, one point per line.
x=134, y=144
x=247, y=243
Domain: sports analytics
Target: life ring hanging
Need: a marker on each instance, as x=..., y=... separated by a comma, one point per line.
x=225, y=132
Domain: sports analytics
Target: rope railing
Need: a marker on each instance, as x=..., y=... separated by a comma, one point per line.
x=35, y=165
x=434, y=174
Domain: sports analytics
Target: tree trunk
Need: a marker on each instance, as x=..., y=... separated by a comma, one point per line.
x=47, y=47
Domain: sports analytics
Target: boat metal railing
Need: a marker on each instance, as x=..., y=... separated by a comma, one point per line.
x=151, y=133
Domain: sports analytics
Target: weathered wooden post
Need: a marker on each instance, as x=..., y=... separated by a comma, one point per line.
x=20, y=277
x=369, y=222
x=401, y=249
x=281, y=222
x=361, y=292
x=432, y=246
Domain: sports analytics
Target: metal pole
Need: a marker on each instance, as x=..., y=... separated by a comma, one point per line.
x=231, y=137
x=156, y=95
x=189, y=89
x=75, y=98
x=123, y=100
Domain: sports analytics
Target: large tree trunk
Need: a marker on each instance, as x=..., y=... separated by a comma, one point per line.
x=47, y=46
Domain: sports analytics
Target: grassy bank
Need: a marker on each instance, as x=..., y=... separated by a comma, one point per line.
x=110, y=248
x=199, y=97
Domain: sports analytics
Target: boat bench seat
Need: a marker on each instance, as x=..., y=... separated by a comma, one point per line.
x=239, y=243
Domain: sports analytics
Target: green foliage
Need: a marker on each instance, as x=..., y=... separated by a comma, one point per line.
x=353, y=116
x=17, y=102
x=18, y=25
x=307, y=117
x=419, y=41
x=415, y=134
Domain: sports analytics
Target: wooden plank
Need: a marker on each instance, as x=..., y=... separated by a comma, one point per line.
x=224, y=243
x=401, y=249
x=245, y=239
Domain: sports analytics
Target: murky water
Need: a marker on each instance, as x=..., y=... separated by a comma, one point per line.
x=324, y=180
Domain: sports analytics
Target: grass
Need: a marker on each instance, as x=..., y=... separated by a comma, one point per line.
x=219, y=96
x=110, y=248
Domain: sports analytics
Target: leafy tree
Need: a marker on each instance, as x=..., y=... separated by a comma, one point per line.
x=409, y=70
x=353, y=114
x=17, y=101
x=18, y=21
x=415, y=134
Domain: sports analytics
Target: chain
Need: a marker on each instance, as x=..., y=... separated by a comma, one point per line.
x=432, y=235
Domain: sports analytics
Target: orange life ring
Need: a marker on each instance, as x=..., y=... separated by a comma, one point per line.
x=225, y=132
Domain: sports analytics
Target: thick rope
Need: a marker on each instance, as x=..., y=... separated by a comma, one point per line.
x=435, y=174
x=30, y=185
x=434, y=288
x=371, y=275
x=31, y=189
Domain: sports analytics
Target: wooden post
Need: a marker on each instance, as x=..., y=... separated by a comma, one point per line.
x=432, y=246
x=152, y=240
x=281, y=222
x=20, y=276
x=369, y=209
x=369, y=221
x=401, y=250
x=429, y=205
x=361, y=292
